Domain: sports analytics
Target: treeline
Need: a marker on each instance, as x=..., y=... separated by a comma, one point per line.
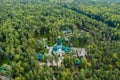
x=108, y=13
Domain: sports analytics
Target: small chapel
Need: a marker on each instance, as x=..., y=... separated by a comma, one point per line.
x=59, y=49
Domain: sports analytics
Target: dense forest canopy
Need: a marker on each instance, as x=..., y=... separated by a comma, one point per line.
x=95, y=25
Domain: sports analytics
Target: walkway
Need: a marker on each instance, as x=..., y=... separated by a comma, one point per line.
x=53, y=63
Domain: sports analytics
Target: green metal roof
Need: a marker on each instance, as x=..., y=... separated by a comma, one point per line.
x=77, y=62
x=67, y=31
x=59, y=46
x=3, y=69
x=63, y=48
x=40, y=56
x=59, y=42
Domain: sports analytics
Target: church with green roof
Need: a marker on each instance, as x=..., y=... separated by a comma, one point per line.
x=59, y=49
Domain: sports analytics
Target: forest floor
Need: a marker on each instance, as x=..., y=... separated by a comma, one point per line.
x=4, y=78
x=53, y=63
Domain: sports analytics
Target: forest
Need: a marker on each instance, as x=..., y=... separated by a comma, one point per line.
x=95, y=25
